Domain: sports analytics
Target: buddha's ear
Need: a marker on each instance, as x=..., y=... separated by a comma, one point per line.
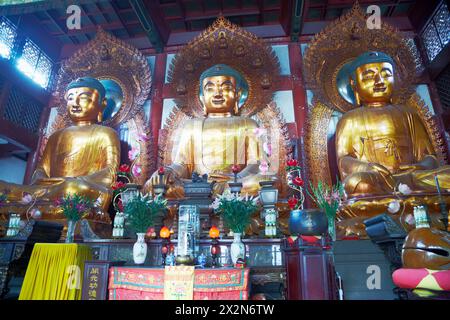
x=202, y=100
x=238, y=99
x=355, y=92
x=104, y=103
x=100, y=117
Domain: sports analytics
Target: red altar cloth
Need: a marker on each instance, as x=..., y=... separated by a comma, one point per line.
x=148, y=284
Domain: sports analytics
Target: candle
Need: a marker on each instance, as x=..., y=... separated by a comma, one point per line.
x=214, y=232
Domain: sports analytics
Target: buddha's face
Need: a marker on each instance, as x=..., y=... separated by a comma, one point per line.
x=220, y=95
x=374, y=83
x=83, y=104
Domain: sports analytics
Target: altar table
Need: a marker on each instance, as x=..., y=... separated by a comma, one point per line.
x=133, y=283
x=55, y=272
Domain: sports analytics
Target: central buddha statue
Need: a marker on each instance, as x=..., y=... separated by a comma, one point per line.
x=80, y=159
x=214, y=143
x=379, y=144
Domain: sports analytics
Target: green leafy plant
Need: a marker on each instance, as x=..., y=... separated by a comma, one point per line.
x=75, y=206
x=142, y=210
x=328, y=198
x=235, y=210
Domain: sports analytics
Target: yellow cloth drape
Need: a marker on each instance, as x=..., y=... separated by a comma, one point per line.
x=179, y=282
x=55, y=272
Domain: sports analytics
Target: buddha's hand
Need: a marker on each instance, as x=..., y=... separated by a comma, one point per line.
x=429, y=162
x=378, y=168
x=170, y=177
x=220, y=177
x=49, y=181
x=411, y=167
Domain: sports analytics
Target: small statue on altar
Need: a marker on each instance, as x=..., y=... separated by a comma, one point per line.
x=81, y=159
x=380, y=145
x=213, y=144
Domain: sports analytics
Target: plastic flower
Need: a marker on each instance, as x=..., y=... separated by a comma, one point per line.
x=264, y=167
x=404, y=189
x=161, y=170
x=298, y=182
x=27, y=198
x=124, y=168
x=394, y=206
x=137, y=170
x=267, y=147
x=120, y=205
x=235, y=168
x=292, y=202
x=35, y=213
x=259, y=132
x=118, y=185
x=133, y=153
x=292, y=163
x=142, y=137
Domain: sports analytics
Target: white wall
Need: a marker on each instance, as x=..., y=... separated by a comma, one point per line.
x=12, y=169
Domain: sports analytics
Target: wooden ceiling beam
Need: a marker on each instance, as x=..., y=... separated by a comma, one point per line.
x=93, y=29
x=228, y=13
x=297, y=19
x=147, y=23
x=115, y=12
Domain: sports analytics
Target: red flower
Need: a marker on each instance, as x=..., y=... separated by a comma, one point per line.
x=292, y=163
x=161, y=170
x=298, y=182
x=124, y=168
x=292, y=202
x=120, y=205
x=235, y=168
x=118, y=185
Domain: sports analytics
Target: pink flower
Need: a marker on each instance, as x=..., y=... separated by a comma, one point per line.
x=137, y=170
x=267, y=148
x=142, y=137
x=35, y=213
x=133, y=153
x=264, y=167
x=27, y=198
x=259, y=132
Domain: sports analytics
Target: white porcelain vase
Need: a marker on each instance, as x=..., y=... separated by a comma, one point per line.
x=140, y=249
x=237, y=248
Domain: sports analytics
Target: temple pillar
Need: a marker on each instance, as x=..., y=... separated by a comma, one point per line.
x=157, y=97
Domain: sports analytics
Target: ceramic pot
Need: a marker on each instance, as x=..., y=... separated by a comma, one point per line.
x=237, y=249
x=140, y=249
x=308, y=222
x=71, y=225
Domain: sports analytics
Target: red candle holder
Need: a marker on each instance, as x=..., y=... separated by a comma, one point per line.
x=166, y=245
x=215, y=247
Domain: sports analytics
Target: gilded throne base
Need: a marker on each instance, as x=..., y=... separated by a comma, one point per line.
x=354, y=211
x=99, y=224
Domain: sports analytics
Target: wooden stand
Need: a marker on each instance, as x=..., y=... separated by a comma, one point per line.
x=310, y=271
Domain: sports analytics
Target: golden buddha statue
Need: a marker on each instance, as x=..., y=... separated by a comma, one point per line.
x=213, y=144
x=380, y=145
x=82, y=158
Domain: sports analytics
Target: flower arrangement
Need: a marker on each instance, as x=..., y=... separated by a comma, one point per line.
x=75, y=206
x=235, y=210
x=328, y=198
x=296, y=183
x=142, y=210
